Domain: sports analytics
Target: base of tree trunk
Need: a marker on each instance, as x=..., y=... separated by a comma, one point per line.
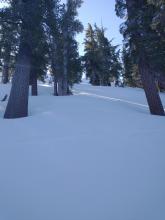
x=60, y=87
x=55, y=88
x=17, y=106
x=150, y=88
x=65, y=87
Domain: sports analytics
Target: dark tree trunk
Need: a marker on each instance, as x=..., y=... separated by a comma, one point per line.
x=147, y=76
x=56, y=66
x=34, y=87
x=60, y=86
x=69, y=91
x=5, y=72
x=65, y=63
x=55, y=86
x=150, y=88
x=18, y=101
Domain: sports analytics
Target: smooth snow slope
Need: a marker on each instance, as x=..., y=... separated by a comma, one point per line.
x=97, y=155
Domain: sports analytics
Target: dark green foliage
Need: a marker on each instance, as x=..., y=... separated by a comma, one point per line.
x=101, y=57
x=74, y=64
x=40, y=35
x=145, y=44
x=62, y=27
x=130, y=69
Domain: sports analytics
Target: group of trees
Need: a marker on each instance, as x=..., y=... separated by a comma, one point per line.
x=144, y=39
x=101, y=59
x=36, y=35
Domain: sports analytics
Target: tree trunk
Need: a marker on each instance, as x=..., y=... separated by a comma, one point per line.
x=34, y=87
x=65, y=63
x=150, y=88
x=60, y=86
x=17, y=106
x=55, y=86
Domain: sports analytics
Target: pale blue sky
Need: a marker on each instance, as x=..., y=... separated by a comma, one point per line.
x=97, y=11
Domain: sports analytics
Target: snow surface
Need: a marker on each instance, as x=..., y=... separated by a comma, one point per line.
x=97, y=155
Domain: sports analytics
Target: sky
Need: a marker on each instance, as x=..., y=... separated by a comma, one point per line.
x=99, y=12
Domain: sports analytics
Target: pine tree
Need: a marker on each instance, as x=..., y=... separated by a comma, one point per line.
x=62, y=27
x=8, y=42
x=28, y=14
x=145, y=44
x=101, y=57
x=91, y=56
x=53, y=21
x=70, y=27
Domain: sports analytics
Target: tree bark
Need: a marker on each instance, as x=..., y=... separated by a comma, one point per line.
x=60, y=86
x=150, y=88
x=34, y=87
x=55, y=86
x=17, y=106
x=65, y=63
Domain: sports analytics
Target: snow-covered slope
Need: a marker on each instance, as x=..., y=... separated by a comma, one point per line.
x=97, y=155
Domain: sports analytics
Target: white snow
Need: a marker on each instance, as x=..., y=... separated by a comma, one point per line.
x=97, y=155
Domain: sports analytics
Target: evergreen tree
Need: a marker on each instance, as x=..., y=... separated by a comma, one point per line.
x=53, y=29
x=28, y=14
x=46, y=31
x=145, y=44
x=8, y=42
x=101, y=57
x=62, y=27
x=70, y=27
x=91, y=56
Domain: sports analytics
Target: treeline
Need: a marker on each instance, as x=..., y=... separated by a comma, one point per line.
x=37, y=35
x=144, y=47
x=101, y=59
x=40, y=35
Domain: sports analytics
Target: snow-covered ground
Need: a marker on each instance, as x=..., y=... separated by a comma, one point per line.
x=97, y=155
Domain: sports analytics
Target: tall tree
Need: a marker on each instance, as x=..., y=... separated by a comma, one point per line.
x=28, y=14
x=91, y=55
x=145, y=45
x=8, y=42
x=62, y=27
x=53, y=28
x=101, y=57
x=70, y=27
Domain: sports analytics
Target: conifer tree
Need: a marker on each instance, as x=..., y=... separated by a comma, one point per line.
x=28, y=15
x=70, y=27
x=91, y=55
x=62, y=27
x=101, y=57
x=8, y=42
x=145, y=44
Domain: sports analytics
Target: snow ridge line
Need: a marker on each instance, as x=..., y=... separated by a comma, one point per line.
x=111, y=99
